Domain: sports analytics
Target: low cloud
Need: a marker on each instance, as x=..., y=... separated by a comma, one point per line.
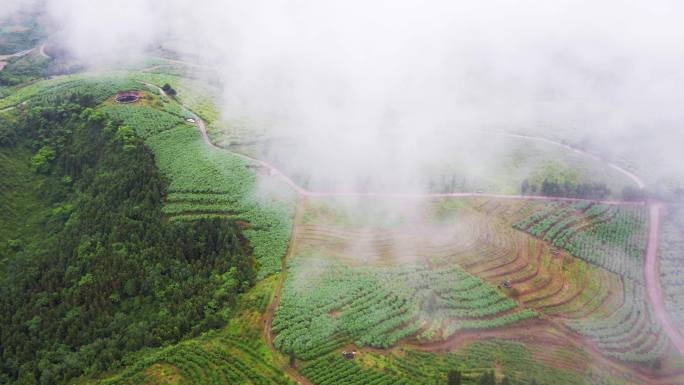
x=373, y=88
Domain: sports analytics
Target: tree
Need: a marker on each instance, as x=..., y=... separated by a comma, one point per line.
x=549, y=188
x=169, y=90
x=454, y=377
x=525, y=187
x=40, y=162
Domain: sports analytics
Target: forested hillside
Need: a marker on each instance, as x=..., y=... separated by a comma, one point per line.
x=90, y=268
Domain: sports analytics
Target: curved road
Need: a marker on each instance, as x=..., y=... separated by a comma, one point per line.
x=638, y=181
x=272, y=170
x=18, y=54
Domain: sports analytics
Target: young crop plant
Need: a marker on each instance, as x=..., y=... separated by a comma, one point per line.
x=97, y=89
x=325, y=303
x=671, y=260
x=208, y=182
x=612, y=237
x=145, y=120
x=628, y=332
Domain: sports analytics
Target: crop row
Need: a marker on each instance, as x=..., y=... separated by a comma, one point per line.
x=208, y=182
x=378, y=306
x=629, y=332
x=333, y=369
x=514, y=360
x=231, y=361
x=613, y=237
x=671, y=260
x=145, y=120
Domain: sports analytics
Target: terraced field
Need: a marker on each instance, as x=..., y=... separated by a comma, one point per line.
x=433, y=272
x=100, y=87
x=207, y=182
x=671, y=258
x=610, y=236
x=234, y=355
x=224, y=361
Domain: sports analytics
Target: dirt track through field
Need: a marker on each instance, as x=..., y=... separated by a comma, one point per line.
x=270, y=312
x=652, y=280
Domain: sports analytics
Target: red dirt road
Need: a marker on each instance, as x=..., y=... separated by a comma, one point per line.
x=652, y=280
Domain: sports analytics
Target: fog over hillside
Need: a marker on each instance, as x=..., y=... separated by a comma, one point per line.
x=396, y=82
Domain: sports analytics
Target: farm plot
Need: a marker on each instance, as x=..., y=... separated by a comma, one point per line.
x=432, y=272
x=326, y=304
x=671, y=262
x=207, y=182
x=388, y=279
x=609, y=236
x=233, y=355
x=518, y=362
x=609, y=306
x=100, y=87
x=626, y=331
x=144, y=119
x=225, y=361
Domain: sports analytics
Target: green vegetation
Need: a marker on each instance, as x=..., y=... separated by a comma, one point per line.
x=629, y=333
x=671, y=260
x=146, y=120
x=613, y=237
x=97, y=89
x=131, y=247
x=19, y=33
x=234, y=354
x=414, y=367
x=23, y=69
x=106, y=276
x=325, y=304
x=206, y=182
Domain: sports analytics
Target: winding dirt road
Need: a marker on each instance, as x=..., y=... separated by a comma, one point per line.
x=18, y=54
x=4, y=58
x=270, y=312
x=638, y=181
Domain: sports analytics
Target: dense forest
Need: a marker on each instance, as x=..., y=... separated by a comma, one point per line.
x=107, y=275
